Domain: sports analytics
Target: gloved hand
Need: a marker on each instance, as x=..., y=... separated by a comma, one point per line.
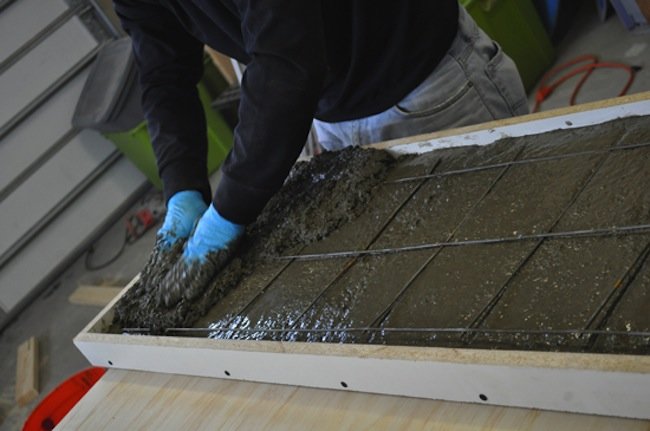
x=183, y=210
x=213, y=233
x=206, y=252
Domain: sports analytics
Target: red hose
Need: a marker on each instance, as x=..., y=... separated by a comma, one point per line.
x=546, y=89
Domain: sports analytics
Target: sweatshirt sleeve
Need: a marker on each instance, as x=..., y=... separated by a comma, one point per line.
x=280, y=90
x=170, y=64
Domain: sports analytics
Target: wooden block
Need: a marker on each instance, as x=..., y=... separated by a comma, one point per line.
x=27, y=372
x=93, y=295
x=223, y=64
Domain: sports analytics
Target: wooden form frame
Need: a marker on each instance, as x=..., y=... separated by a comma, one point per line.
x=604, y=384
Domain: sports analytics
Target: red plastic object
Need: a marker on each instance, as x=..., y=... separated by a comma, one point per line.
x=53, y=408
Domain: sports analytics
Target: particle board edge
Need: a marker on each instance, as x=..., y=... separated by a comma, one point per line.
x=626, y=363
x=590, y=391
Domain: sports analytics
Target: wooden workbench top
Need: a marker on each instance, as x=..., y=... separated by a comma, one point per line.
x=131, y=400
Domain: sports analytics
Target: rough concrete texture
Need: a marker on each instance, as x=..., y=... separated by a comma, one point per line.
x=528, y=285
x=317, y=198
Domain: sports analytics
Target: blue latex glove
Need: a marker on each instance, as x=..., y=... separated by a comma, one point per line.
x=213, y=233
x=183, y=210
x=206, y=252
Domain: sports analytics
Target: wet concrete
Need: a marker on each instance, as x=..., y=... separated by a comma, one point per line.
x=617, y=195
x=574, y=140
x=636, y=131
x=566, y=283
x=250, y=287
x=564, y=286
x=292, y=294
x=459, y=283
x=631, y=313
x=374, y=283
x=316, y=199
x=529, y=285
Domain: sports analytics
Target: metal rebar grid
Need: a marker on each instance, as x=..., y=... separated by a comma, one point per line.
x=385, y=313
x=518, y=332
x=521, y=162
x=540, y=238
x=487, y=309
x=594, y=328
x=601, y=316
x=234, y=323
x=582, y=233
x=374, y=238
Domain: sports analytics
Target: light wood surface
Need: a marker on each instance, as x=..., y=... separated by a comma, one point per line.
x=223, y=65
x=27, y=372
x=139, y=400
x=98, y=296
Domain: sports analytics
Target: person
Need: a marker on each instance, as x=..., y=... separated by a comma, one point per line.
x=362, y=71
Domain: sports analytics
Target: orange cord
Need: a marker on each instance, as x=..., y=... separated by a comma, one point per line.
x=545, y=90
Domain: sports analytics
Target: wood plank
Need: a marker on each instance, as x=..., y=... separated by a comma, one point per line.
x=97, y=296
x=137, y=400
x=27, y=372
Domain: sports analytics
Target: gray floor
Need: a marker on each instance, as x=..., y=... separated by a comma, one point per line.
x=54, y=321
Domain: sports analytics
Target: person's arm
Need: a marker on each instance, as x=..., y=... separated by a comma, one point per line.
x=280, y=90
x=170, y=64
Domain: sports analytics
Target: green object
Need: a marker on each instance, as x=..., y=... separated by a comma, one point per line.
x=136, y=144
x=517, y=27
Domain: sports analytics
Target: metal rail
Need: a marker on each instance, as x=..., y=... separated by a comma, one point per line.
x=37, y=163
x=585, y=233
x=520, y=162
x=601, y=316
x=486, y=331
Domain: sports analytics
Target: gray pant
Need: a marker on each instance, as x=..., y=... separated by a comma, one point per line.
x=475, y=82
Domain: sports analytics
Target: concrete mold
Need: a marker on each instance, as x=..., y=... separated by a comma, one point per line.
x=351, y=201
x=519, y=311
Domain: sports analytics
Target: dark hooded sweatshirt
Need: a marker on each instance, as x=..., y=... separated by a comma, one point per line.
x=333, y=60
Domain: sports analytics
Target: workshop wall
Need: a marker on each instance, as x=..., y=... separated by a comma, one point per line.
x=59, y=186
